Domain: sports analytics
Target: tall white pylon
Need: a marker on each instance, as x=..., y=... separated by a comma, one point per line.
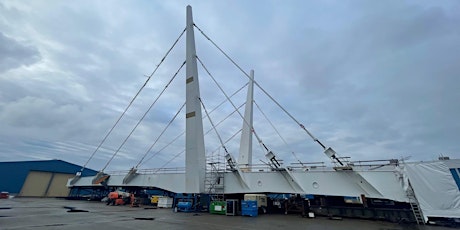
x=195, y=159
x=245, y=157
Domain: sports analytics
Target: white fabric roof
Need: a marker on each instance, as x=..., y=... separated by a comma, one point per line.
x=436, y=191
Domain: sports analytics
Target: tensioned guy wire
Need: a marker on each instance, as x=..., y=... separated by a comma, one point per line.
x=263, y=90
x=131, y=102
x=143, y=116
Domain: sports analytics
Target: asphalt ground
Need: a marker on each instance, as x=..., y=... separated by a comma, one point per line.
x=49, y=213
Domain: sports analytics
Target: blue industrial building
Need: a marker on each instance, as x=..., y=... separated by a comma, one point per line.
x=15, y=172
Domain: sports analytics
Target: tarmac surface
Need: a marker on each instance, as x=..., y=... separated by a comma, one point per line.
x=49, y=213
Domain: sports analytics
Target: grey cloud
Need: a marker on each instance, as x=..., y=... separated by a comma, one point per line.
x=14, y=54
x=382, y=79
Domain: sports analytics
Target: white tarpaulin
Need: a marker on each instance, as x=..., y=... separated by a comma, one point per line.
x=436, y=191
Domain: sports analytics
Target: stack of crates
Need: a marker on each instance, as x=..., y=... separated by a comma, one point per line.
x=218, y=207
x=249, y=208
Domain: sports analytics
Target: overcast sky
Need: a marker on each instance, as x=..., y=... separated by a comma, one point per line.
x=372, y=79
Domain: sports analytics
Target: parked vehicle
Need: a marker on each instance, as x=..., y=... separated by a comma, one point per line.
x=4, y=195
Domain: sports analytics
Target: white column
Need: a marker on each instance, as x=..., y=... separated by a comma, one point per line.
x=195, y=161
x=245, y=157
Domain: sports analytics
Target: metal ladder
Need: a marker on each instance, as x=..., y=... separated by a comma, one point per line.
x=418, y=215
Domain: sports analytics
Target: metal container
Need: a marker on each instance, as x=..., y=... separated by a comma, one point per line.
x=249, y=208
x=232, y=207
x=218, y=207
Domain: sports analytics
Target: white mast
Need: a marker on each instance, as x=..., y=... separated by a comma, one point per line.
x=195, y=161
x=245, y=157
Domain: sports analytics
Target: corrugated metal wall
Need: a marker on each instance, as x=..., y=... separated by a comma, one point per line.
x=35, y=184
x=58, y=186
x=45, y=184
